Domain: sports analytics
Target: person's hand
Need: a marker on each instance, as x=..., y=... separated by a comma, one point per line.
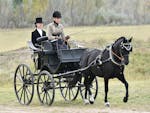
x=67, y=37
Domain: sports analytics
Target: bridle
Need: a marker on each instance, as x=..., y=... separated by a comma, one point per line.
x=127, y=46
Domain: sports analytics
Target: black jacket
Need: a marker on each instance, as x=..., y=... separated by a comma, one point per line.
x=35, y=35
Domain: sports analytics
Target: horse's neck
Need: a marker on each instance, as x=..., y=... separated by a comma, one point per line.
x=117, y=52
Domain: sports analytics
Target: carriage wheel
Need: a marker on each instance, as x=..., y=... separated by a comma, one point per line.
x=93, y=88
x=24, y=84
x=46, y=88
x=68, y=93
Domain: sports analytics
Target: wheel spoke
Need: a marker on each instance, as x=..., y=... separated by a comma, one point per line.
x=40, y=90
x=19, y=78
x=23, y=70
x=48, y=79
x=93, y=88
x=27, y=95
x=69, y=94
x=43, y=97
x=44, y=78
x=18, y=83
x=21, y=95
x=19, y=89
x=64, y=87
x=49, y=96
x=27, y=72
x=46, y=98
x=83, y=89
x=72, y=92
x=29, y=91
x=24, y=96
x=66, y=92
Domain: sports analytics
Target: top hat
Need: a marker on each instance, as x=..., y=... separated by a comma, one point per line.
x=38, y=20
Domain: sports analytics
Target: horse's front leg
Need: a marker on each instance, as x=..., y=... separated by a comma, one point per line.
x=123, y=80
x=106, y=92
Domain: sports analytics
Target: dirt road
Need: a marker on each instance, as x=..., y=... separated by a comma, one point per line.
x=42, y=109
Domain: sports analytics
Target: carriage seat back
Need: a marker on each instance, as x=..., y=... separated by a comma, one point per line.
x=41, y=39
x=48, y=47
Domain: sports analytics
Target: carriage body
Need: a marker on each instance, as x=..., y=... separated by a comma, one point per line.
x=59, y=60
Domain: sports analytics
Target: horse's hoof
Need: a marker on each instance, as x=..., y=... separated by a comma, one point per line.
x=91, y=99
x=91, y=102
x=86, y=101
x=107, y=104
x=125, y=99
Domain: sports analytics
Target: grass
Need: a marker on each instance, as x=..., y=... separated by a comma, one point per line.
x=139, y=96
x=17, y=38
x=137, y=72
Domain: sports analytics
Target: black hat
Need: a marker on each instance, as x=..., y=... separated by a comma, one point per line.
x=38, y=20
x=57, y=14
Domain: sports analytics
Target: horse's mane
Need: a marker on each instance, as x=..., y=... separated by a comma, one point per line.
x=120, y=39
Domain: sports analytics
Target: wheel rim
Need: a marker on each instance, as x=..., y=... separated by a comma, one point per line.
x=93, y=88
x=45, y=88
x=23, y=84
x=68, y=93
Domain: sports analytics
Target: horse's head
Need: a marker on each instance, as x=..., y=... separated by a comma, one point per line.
x=123, y=48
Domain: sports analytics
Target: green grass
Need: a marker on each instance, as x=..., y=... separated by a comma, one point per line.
x=137, y=72
x=139, y=96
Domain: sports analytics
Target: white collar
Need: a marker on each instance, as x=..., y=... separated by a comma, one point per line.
x=40, y=31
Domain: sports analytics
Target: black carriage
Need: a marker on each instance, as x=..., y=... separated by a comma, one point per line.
x=54, y=69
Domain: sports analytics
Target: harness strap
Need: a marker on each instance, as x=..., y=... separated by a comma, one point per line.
x=111, y=57
x=120, y=58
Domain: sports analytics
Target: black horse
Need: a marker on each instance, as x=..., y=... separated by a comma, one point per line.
x=108, y=64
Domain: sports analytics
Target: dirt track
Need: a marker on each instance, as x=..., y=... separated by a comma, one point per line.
x=25, y=109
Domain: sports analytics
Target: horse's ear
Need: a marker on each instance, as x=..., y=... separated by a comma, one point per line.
x=130, y=39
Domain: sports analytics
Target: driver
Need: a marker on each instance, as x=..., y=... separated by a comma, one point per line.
x=38, y=32
x=55, y=31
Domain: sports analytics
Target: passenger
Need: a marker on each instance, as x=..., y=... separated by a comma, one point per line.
x=55, y=31
x=38, y=32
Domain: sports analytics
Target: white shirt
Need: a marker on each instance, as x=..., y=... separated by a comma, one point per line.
x=40, y=31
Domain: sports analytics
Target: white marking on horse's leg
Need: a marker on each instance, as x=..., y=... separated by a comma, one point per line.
x=86, y=101
x=107, y=104
x=92, y=99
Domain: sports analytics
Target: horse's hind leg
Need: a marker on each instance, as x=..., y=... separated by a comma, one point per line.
x=88, y=82
x=86, y=101
x=90, y=93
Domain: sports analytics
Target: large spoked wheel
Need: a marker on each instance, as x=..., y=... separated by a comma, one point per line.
x=24, y=84
x=68, y=93
x=46, y=88
x=93, y=88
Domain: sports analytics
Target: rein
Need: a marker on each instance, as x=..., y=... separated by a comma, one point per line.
x=120, y=58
